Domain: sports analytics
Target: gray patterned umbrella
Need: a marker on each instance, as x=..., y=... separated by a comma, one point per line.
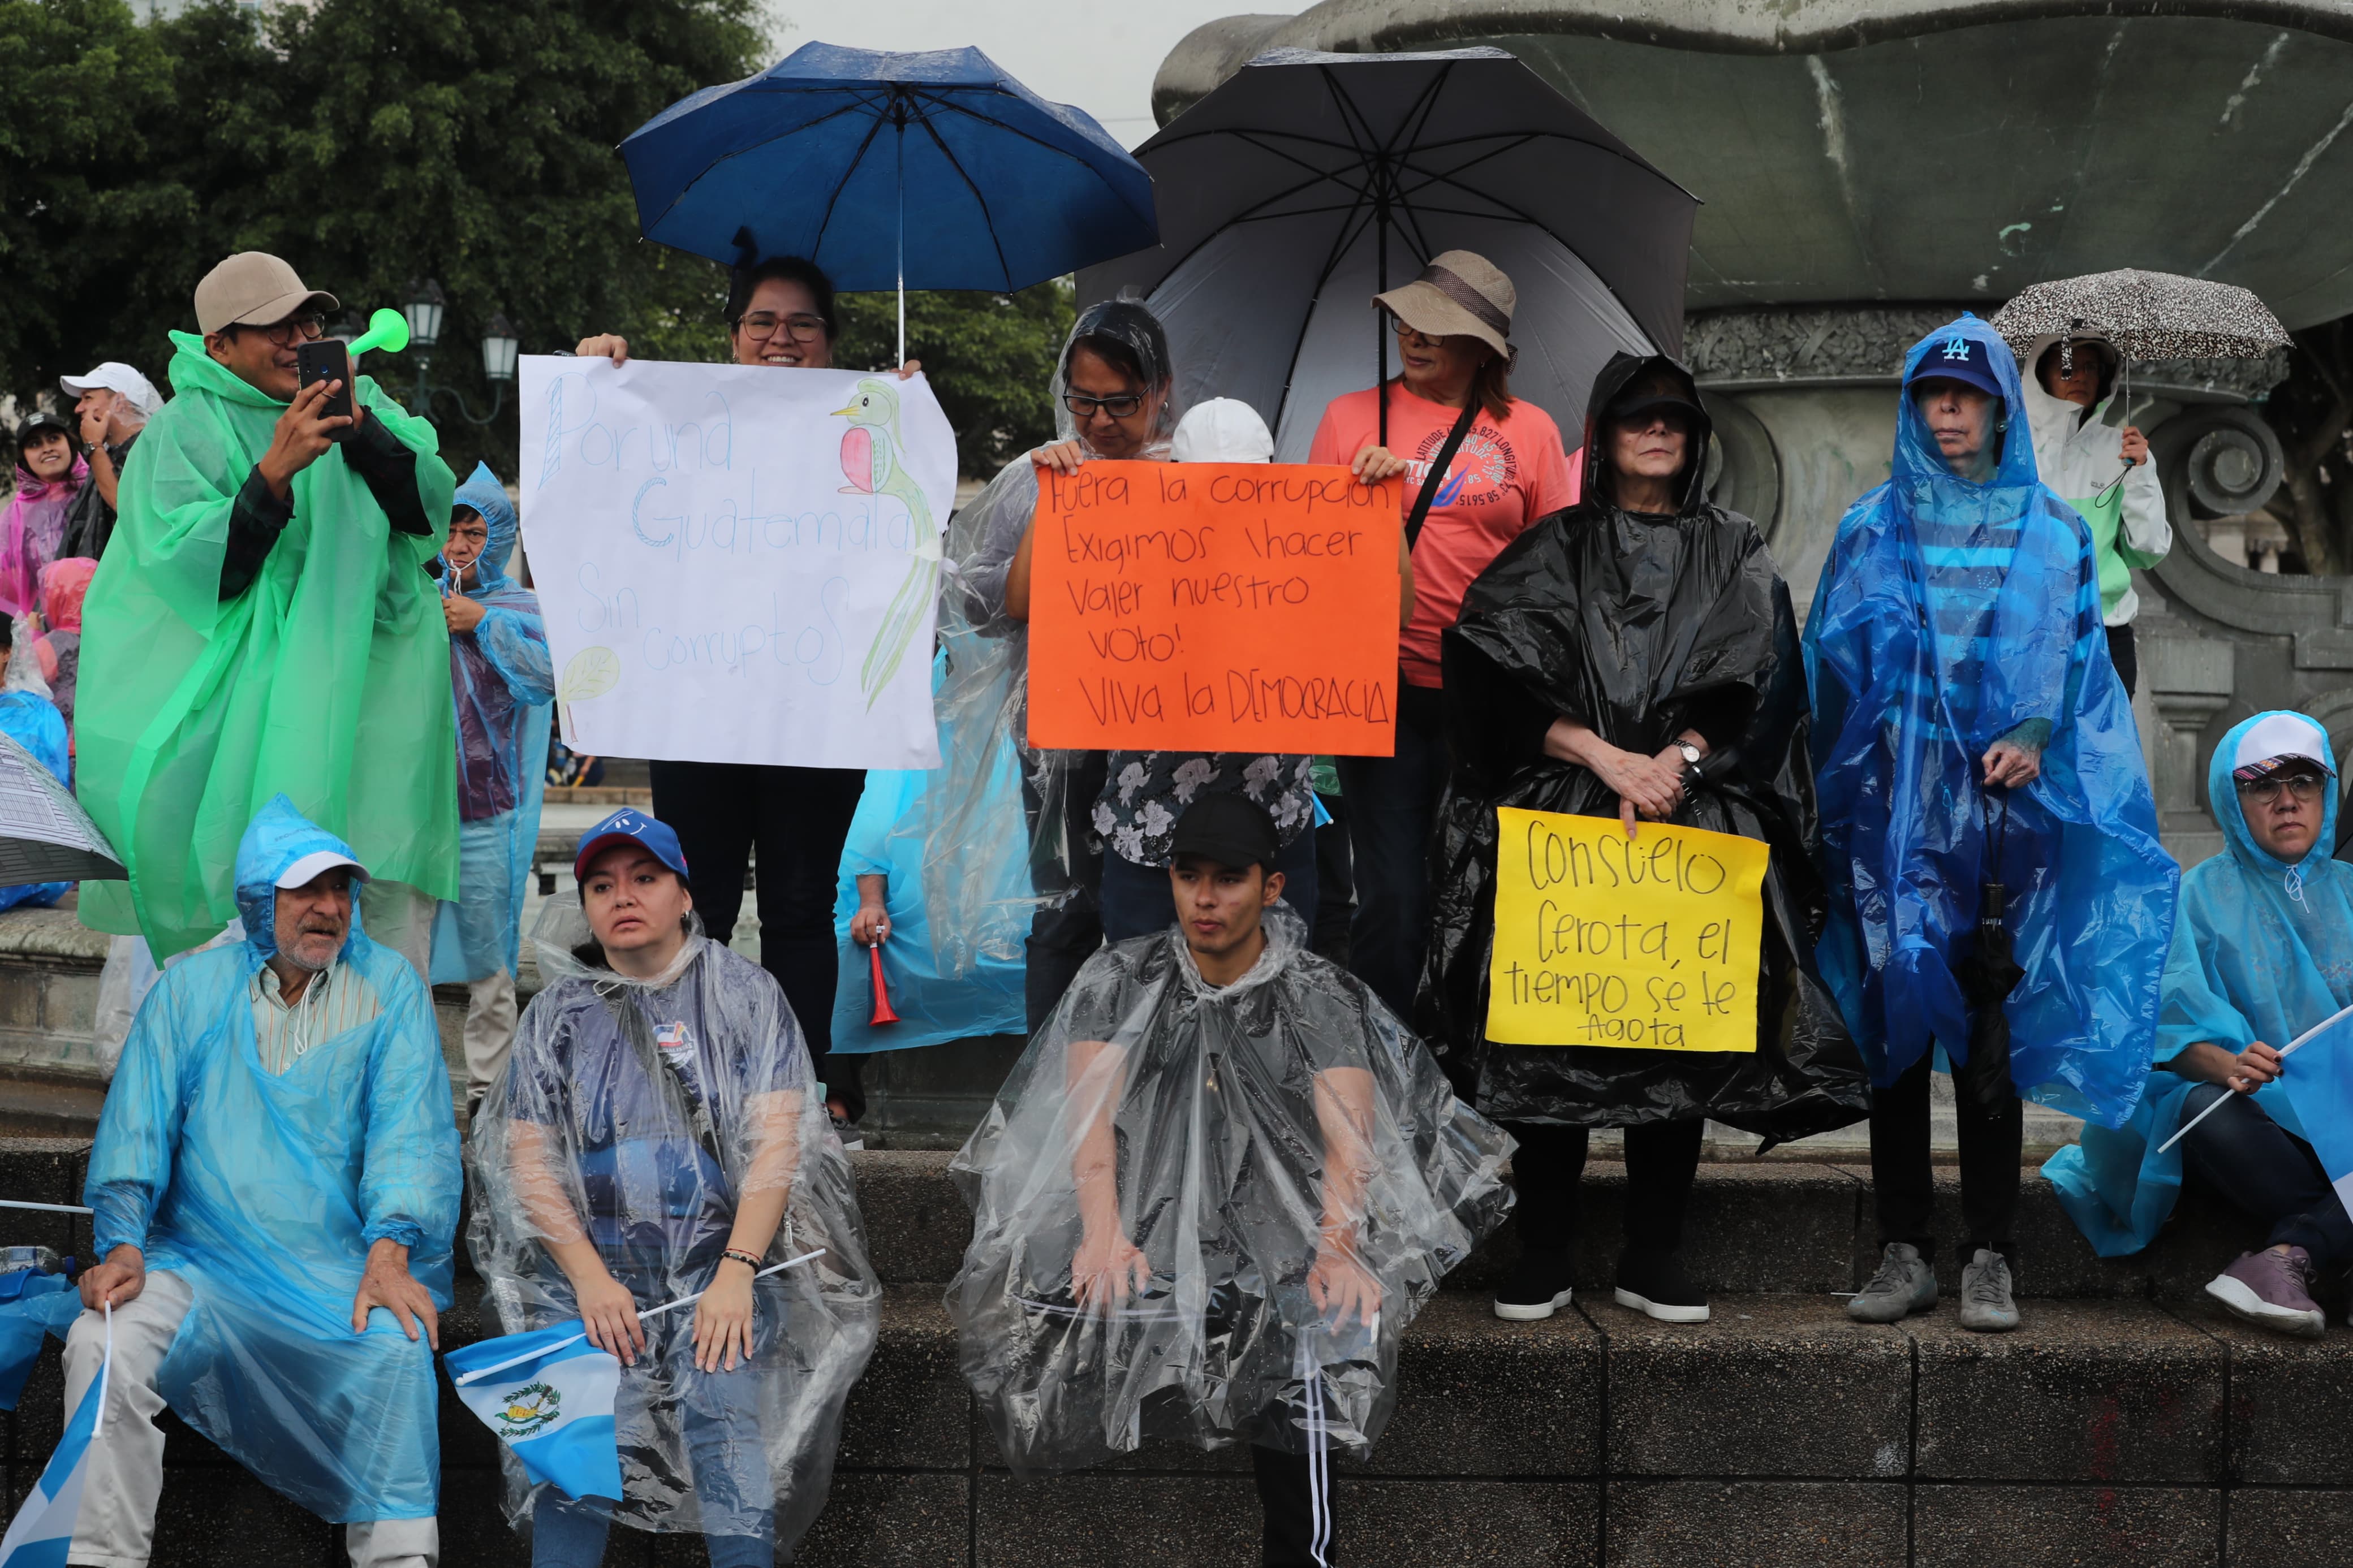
x=2147, y=315
x=45, y=834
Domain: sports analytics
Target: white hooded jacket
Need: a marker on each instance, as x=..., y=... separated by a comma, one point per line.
x=2077, y=453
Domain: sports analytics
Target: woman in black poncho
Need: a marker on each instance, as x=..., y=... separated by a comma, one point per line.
x=1633, y=656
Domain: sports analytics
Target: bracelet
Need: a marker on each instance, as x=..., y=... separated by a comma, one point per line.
x=750, y=1260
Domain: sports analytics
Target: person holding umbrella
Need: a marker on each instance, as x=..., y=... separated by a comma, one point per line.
x=2104, y=474
x=1981, y=787
x=1479, y=466
x=780, y=313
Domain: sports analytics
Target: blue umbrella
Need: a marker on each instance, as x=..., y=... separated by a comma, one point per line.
x=827, y=153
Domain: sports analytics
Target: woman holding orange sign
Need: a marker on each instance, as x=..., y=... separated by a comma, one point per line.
x=1634, y=657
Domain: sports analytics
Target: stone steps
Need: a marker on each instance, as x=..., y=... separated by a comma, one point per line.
x=2126, y=1423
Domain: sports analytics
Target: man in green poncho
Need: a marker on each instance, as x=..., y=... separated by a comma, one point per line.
x=261, y=624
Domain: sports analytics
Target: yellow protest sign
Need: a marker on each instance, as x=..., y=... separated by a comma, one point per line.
x=1601, y=939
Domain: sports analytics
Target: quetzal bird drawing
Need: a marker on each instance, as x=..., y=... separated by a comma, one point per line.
x=872, y=461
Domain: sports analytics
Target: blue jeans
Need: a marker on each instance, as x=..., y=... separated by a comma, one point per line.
x=2268, y=1173
x=719, y=1413
x=1139, y=900
x=1392, y=813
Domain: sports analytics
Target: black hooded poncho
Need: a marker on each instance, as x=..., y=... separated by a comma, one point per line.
x=1639, y=626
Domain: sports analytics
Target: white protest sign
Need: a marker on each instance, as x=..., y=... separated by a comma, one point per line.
x=737, y=563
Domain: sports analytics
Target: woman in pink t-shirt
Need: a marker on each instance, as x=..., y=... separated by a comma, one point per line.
x=1454, y=326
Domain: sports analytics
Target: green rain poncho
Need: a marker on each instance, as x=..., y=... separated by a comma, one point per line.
x=327, y=679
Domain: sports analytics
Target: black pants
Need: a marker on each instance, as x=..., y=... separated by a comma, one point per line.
x=2122, y=654
x=1392, y=814
x=1064, y=936
x=799, y=818
x=2267, y=1172
x=1902, y=1182
x=1661, y=1158
x=1298, y=1503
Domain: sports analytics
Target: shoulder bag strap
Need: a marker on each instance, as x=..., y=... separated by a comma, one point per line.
x=1437, y=476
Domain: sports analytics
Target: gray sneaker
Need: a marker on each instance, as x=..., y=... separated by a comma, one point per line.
x=1986, y=1306
x=2273, y=1289
x=1904, y=1285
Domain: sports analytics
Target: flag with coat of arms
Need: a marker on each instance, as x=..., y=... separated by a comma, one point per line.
x=2319, y=1084
x=549, y=1396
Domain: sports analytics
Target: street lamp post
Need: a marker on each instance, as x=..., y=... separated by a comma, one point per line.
x=423, y=308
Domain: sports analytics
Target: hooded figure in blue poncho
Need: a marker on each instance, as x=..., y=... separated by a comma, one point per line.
x=33, y=721
x=275, y=1185
x=504, y=682
x=1998, y=892
x=2263, y=951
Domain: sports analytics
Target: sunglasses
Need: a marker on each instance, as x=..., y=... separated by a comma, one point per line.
x=306, y=329
x=1123, y=406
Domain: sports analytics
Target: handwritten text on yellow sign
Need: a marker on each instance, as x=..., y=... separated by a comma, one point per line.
x=1601, y=939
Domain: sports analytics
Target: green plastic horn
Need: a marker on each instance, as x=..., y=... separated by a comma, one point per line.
x=386, y=330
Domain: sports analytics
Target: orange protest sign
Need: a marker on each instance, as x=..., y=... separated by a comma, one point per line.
x=1214, y=607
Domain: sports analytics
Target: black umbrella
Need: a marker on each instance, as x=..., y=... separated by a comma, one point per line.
x=1310, y=181
x=45, y=834
x=1988, y=975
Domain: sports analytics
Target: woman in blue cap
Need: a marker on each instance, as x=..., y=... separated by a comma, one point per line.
x=1998, y=892
x=503, y=681
x=658, y=1134
x=2263, y=951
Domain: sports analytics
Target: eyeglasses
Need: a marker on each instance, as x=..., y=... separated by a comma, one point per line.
x=307, y=329
x=2303, y=787
x=1414, y=334
x=767, y=324
x=1123, y=406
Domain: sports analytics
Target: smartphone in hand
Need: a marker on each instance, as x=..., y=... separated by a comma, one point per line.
x=327, y=360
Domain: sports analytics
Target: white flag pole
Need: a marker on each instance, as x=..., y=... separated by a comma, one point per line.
x=2291, y=1045
x=46, y=1208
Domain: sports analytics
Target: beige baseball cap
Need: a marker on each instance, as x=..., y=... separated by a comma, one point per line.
x=254, y=288
x=1461, y=294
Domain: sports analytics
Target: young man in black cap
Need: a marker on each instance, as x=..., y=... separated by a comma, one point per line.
x=1212, y=1194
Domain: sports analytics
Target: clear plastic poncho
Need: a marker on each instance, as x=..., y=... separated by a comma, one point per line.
x=1231, y=1119
x=504, y=686
x=2262, y=951
x=1952, y=614
x=637, y=1115
x=986, y=696
x=264, y=1193
x=959, y=976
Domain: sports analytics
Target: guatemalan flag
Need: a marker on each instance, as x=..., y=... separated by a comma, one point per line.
x=549, y=1396
x=2319, y=1084
x=43, y=1529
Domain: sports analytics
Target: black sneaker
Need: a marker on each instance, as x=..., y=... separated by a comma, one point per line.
x=1537, y=1288
x=1654, y=1284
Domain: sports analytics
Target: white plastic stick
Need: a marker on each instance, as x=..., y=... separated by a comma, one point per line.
x=49, y=1208
x=2210, y=1109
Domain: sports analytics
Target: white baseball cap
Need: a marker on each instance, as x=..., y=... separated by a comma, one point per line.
x=2278, y=740
x=1222, y=430
x=317, y=861
x=116, y=376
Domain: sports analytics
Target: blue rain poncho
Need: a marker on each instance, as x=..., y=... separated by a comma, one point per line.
x=951, y=840
x=33, y=721
x=1953, y=613
x=2262, y=951
x=504, y=683
x=264, y=1193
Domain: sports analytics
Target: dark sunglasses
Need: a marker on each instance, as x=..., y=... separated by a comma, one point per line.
x=1119, y=407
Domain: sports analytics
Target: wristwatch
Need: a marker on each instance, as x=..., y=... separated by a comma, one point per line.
x=1690, y=752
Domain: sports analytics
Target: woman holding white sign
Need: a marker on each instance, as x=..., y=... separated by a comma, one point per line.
x=1633, y=658
x=780, y=313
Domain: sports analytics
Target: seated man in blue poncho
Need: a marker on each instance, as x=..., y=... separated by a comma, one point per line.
x=1997, y=894
x=2263, y=951
x=275, y=1185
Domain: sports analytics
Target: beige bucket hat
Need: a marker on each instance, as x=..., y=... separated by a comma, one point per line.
x=254, y=288
x=1461, y=294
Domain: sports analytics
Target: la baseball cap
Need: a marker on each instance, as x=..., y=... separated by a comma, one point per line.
x=1959, y=357
x=1228, y=829
x=254, y=288
x=630, y=825
x=116, y=376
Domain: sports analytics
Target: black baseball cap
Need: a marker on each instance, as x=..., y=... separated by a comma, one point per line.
x=1229, y=829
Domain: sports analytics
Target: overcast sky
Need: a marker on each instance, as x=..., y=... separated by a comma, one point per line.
x=1101, y=57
